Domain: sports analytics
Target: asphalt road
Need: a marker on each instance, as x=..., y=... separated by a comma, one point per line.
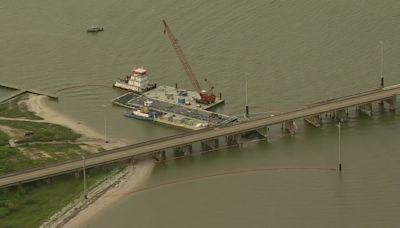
x=147, y=148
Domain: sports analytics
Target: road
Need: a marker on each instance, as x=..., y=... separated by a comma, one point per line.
x=148, y=148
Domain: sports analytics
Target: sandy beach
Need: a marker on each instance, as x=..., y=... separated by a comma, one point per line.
x=37, y=104
x=134, y=178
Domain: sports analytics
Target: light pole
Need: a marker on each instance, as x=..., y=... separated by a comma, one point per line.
x=84, y=177
x=382, y=82
x=247, y=100
x=340, y=162
x=105, y=124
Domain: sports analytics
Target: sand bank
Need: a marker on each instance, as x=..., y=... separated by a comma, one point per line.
x=37, y=104
x=133, y=180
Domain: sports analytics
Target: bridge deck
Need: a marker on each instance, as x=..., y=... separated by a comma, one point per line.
x=147, y=148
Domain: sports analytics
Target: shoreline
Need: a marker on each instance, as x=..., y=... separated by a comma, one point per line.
x=37, y=104
x=136, y=177
x=79, y=215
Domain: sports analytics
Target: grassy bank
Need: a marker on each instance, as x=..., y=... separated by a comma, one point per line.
x=31, y=204
x=3, y=138
x=43, y=132
x=38, y=143
x=12, y=159
x=16, y=108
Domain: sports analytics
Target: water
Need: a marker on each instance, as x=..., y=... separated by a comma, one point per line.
x=295, y=53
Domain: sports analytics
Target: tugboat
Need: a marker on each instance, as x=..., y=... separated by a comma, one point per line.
x=144, y=114
x=137, y=82
x=95, y=28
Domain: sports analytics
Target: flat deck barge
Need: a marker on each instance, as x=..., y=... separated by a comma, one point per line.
x=179, y=107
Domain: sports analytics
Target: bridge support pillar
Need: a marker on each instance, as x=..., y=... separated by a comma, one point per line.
x=263, y=132
x=341, y=115
x=178, y=152
x=366, y=109
x=233, y=140
x=316, y=121
x=160, y=155
x=184, y=150
x=163, y=155
x=211, y=144
x=392, y=103
x=290, y=127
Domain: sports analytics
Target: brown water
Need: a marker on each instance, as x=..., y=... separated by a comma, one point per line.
x=295, y=53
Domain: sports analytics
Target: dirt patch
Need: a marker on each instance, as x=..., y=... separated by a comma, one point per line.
x=89, y=148
x=35, y=154
x=13, y=133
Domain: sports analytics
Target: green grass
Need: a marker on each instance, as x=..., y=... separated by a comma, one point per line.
x=12, y=109
x=31, y=204
x=11, y=159
x=58, y=151
x=3, y=138
x=42, y=132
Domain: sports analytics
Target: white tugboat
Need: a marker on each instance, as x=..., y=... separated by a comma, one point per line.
x=137, y=82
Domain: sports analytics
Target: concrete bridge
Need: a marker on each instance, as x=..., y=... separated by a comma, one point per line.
x=213, y=138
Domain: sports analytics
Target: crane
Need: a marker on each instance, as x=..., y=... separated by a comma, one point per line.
x=206, y=97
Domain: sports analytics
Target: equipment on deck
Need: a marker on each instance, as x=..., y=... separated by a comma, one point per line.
x=207, y=97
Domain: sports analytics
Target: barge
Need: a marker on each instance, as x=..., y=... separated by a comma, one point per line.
x=170, y=105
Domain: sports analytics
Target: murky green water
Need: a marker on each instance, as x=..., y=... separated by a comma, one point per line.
x=294, y=52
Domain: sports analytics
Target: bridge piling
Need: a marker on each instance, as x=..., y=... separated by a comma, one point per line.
x=211, y=144
x=159, y=156
x=366, y=109
x=233, y=140
x=316, y=120
x=263, y=132
x=290, y=127
x=183, y=150
x=341, y=115
x=392, y=103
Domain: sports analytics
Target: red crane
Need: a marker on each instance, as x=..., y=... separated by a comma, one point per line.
x=207, y=97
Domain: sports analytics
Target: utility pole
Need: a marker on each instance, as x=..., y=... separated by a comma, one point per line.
x=105, y=124
x=247, y=100
x=340, y=162
x=382, y=80
x=84, y=178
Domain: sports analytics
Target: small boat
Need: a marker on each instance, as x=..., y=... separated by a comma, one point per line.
x=95, y=28
x=137, y=114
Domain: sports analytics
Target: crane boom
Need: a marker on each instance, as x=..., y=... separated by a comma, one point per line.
x=182, y=58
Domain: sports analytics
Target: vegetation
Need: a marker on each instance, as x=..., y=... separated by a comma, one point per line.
x=16, y=108
x=3, y=138
x=38, y=143
x=42, y=132
x=12, y=159
x=57, y=151
x=31, y=204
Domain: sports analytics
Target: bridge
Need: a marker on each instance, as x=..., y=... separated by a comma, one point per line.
x=210, y=138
